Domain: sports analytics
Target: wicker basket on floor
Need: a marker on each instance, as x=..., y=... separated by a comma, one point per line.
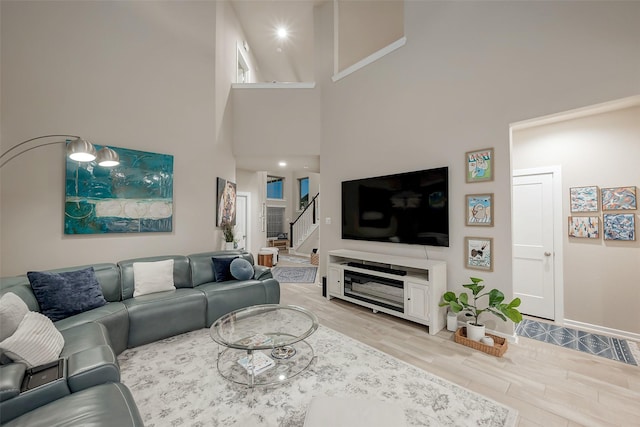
x=498, y=349
x=315, y=259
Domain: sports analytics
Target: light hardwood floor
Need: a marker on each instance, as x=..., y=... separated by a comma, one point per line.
x=548, y=385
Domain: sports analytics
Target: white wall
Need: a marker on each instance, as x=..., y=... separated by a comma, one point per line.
x=468, y=70
x=365, y=27
x=272, y=122
x=139, y=75
x=600, y=276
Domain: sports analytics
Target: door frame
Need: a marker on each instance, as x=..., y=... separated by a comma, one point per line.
x=247, y=227
x=558, y=232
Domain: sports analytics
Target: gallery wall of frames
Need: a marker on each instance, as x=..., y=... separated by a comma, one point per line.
x=603, y=211
x=478, y=250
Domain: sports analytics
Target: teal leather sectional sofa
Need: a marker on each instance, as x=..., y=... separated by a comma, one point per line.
x=89, y=391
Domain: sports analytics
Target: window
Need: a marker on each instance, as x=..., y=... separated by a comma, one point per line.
x=275, y=221
x=275, y=187
x=303, y=192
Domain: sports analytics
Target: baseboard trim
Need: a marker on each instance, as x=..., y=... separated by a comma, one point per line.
x=602, y=329
x=513, y=338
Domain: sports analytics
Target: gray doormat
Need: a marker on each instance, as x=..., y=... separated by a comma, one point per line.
x=599, y=345
x=294, y=274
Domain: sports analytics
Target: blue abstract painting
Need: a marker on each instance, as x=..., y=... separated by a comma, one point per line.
x=619, y=227
x=134, y=197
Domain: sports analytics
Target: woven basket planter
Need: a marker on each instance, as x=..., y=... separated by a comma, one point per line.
x=315, y=259
x=498, y=349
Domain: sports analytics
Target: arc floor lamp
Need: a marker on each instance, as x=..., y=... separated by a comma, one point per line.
x=78, y=149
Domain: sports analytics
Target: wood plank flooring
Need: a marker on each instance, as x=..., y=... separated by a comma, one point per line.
x=547, y=384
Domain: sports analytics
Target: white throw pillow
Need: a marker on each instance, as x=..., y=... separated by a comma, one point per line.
x=12, y=311
x=151, y=277
x=35, y=342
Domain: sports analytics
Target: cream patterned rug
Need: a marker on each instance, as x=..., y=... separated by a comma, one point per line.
x=175, y=382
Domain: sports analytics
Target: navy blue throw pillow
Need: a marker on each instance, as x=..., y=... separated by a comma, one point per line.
x=222, y=267
x=61, y=295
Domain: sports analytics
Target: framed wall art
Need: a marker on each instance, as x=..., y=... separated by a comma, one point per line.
x=619, y=198
x=479, y=209
x=584, y=199
x=226, y=196
x=479, y=165
x=584, y=226
x=478, y=253
x=619, y=226
x=134, y=197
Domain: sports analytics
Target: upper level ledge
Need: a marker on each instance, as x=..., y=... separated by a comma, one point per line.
x=274, y=85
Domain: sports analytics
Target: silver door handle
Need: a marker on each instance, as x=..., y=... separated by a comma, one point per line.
x=547, y=254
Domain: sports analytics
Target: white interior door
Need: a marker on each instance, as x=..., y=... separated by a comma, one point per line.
x=242, y=220
x=533, y=243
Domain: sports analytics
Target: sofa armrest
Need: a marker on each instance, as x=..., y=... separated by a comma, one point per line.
x=262, y=273
x=10, y=380
x=90, y=367
x=31, y=398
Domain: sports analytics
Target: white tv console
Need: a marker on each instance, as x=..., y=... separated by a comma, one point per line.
x=422, y=286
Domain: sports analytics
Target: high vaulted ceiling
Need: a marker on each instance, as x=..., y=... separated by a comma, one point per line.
x=366, y=26
x=289, y=60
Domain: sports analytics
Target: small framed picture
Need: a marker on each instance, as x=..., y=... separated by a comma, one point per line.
x=619, y=198
x=226, y=202
x=584, y=199
x=479, y=253
x=479, y=209
x=619, y=226
x=480, y=165
x=584, y=226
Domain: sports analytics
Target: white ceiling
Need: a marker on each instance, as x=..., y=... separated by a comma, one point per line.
x=289, y=60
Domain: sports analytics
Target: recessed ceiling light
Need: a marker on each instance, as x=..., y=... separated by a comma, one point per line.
x=282, y=164
x=282, y=32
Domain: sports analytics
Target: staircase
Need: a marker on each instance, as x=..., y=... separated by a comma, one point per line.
x=306, y=223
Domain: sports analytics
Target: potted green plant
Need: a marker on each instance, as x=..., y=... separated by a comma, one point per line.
x=228, y=232
x=495, y=305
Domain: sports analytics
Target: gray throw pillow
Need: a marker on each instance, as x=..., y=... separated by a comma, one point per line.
x=61, y=295
x=241, y=269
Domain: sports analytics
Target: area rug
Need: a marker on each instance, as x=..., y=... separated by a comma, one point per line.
x=599, y=345
x=175, y=382
x=294, y=274
x=295, y=259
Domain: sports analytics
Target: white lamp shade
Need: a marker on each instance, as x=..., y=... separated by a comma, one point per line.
x=81, y=150
x=107, y=157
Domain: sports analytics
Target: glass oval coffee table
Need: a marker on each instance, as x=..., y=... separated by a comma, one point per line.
x=264, y=344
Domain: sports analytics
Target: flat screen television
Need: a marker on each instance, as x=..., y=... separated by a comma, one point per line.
x=411, y=207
